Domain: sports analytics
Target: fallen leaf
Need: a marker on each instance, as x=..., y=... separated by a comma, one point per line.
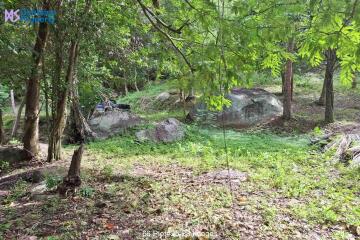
x=109, y=226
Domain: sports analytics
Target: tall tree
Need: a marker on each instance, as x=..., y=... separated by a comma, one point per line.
x=54, y=150
x=333, y=34
x=3, y=100
x=32, y=97
x=288, y=83
x=329, y=82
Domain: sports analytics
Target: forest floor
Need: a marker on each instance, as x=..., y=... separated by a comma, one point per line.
x=287, y=189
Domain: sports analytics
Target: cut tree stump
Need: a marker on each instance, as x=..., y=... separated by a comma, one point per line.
x=72, y=180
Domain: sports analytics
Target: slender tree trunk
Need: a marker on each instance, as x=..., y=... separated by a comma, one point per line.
x=31, y=128
x=321, y=100
x=17, y=120
x=283, y=82
x=292, y=85
x=191, y=93
x=329, y=91
x=135, y=82
x=2, y=132
x=126, y=89
x=353, y=85
x=12, y=97
x=54, y=150
x=46, y=95
x=287, y=84
x=79, y=130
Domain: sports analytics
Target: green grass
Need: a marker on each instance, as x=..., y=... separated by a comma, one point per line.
x=151, y=90
x=284, y=164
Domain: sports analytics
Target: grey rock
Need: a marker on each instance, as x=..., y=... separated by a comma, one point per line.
x=162, y=96
x=12, y=155
x=169, y=130
x=248, y=107
x=356, y=161
x=113, y=122
x=35, y=176
x=39, y=188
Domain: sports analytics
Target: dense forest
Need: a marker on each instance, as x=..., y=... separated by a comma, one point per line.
x=179, y=119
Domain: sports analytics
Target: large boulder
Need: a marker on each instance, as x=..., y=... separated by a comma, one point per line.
x=113, y=122
x=166, y=100
x=169, y=130
x=248, y=107
x=12, y=154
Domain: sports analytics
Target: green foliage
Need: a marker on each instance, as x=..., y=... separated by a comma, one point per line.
x=107, y=171
x=87, y=192
x=52, y=181
x=17, y=191
x=4, y=95
x=333, y=29
x=4, y=165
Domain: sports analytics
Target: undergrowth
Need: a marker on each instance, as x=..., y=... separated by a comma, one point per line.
x=287, y=165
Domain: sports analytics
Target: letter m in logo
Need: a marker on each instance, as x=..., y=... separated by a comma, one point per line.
x=12, y=15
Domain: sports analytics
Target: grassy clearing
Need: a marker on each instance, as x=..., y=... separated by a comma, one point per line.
x=327, y=193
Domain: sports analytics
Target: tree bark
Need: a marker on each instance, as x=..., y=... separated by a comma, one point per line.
x=54, y=151
x=17, y=120
x=72, y=180
x=2, y=132
x=13, y=106
x=46, y=96
x=135, y=81
x=321, y=101
x=287, y=84
x=79, y=130
x=329, y=91
x=292, y=85
x=283, y=82
x=126, y=89
x=31, y=128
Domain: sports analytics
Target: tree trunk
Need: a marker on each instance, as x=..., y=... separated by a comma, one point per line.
x=353, y=85
x=329, y=91
x=46, y=96
x=2, y=132
x=136, y=86
x=287, y=84
x=126, y=89
x=79, y=130
x=31, y=128
x=283, y=82
x=292, y=85
x=321, y=101
x=135, y=82
x=13, y=106
x=17, y=120
x=54, y=151
x=72, y=180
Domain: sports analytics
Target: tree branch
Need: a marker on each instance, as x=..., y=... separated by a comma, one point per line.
x=143, y=7
x=161, y=22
